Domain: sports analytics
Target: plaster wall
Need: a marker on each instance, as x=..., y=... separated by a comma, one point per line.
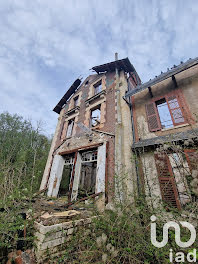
x=151, y=182
x=187, y=81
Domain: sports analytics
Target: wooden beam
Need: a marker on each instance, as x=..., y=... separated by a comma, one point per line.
x=106, y=173
x=174, y=81
x=80, y=148
x=190, y=134
x=72, y=179
x=70, y=204
x=150, y=91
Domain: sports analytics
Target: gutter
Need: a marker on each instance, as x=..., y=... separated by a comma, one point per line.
x=170, y=73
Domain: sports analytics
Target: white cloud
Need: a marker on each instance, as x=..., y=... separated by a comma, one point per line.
x=46, y=44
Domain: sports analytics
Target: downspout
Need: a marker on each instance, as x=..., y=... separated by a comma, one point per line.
x=118, y=139
x=133, y=134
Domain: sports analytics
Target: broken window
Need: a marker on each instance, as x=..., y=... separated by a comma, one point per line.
x=88, y=173
x=65, y=181
x=176, y=160
x=95, y=117
x=97, y=87
x=66, y=176
x=89, y=156
x=70, y=128
x=76, y=101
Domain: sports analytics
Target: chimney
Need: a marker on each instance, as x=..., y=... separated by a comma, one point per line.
x=116, y=56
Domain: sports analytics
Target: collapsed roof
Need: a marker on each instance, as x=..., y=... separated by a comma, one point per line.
x=123, y=64
x=66, y=96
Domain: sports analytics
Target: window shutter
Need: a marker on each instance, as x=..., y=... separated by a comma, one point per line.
x=167, y=181
x=192, y=158
x=185, y=108
x=153, y=117
x=175, y=109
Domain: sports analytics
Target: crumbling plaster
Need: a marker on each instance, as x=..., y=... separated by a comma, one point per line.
x=151, y=182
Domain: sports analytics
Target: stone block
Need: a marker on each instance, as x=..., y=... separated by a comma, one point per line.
x=70, y=231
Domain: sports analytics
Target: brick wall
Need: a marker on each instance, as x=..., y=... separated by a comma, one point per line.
x=108, y=82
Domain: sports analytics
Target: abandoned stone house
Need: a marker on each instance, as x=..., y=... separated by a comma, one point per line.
x=93, y=138
x=165, y=130
x=113, y=132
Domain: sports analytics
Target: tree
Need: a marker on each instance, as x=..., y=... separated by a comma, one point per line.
x=23, y=153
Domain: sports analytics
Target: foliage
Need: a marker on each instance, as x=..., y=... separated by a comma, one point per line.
x=23, y=153
x=120, y=236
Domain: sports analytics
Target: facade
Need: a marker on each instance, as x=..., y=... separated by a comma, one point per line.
x=120, y=138
x=164, y=112
x=91, y=149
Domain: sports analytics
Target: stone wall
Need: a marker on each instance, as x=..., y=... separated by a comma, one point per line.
x=50, y=240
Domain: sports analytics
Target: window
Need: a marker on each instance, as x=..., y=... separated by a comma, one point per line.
x=97, y=87
x=89, y=156
x=76, y=101
x=95, y=117
x=165, y=113
x=70, y=128
x=176, y=160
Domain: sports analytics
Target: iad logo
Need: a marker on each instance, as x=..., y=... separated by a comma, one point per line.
x=179, y=255
x=177, y=234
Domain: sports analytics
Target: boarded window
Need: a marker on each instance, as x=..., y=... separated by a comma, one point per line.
x=97, y=87
x=70, y=128
x=167, y=181
x=152, y=116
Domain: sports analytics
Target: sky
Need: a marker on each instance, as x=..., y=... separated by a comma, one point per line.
x=46, y=44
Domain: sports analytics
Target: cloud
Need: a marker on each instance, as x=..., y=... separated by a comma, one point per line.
x=45, y=45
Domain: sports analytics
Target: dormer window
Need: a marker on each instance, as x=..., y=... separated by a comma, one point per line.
x=76, y=101
x=98, y=87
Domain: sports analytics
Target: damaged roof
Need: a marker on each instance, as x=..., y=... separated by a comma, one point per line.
x=163, y=76
x=66, y=96
x=123, y=64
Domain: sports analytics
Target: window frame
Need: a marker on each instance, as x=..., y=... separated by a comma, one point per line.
x=72, y=122
x=95, y=85
x=181, y=103
x=76, y=101
x=91, y=110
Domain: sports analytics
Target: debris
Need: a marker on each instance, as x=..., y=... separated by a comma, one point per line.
x=66, y=214
x=83, y=199
x=46, y=216
x=39, y=192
